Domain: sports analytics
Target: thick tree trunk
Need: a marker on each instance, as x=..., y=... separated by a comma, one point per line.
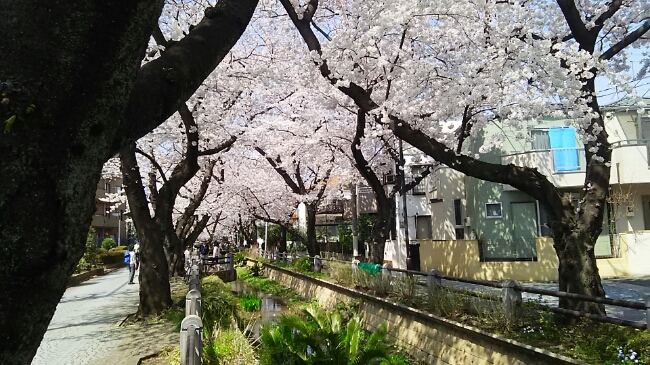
x=312, y=245
x=283, y=238
x=58, y=59
x=69, y=69
x=381, y=228
x=155, y=294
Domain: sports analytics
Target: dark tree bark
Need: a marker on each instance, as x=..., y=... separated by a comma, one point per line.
x=72, y=75
x=313, y=248
x=574, y=237
x=155, y=294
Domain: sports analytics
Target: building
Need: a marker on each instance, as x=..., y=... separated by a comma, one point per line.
x=109, y=221
x=474, y=228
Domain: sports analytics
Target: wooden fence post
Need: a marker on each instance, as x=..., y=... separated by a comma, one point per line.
x=511, y=298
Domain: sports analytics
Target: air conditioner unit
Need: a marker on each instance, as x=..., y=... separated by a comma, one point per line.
x=389, y=179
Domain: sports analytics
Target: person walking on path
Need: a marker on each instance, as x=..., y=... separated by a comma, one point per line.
x=203, y=250
x=132, y=263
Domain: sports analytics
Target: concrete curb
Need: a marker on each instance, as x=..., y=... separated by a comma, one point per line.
x=80, y=278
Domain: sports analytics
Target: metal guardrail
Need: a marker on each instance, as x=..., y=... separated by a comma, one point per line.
x=510, y=290
x=191, y=336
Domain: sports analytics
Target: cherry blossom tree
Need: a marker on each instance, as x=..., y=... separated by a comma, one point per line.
x=414, y=65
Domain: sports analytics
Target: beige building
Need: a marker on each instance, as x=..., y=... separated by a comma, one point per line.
x=109, y=221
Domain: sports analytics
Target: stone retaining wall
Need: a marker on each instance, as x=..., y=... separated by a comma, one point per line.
x=428, y=338
x=76, y=279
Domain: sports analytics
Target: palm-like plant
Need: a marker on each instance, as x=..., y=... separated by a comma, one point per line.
x=322, y=338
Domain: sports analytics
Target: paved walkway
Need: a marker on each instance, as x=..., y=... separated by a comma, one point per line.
x=86, y=327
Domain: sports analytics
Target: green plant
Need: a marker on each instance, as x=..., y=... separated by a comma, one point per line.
x=111, y=257
x=323, y=337
x=240, y=258
x=108, y=243
x=250, y=303
x=228, y=346
x=302, y=264
x=219, y=306
x=256, y=269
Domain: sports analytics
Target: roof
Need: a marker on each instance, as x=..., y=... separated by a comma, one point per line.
x=628, y=103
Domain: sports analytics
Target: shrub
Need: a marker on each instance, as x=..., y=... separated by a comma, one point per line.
x=324, y=338
x=91, y=255
x=256, y=269
x=218, y=304
x=340, y=272
x=118, y=248
x=240, y=259
x=302, y=264
x=112, y=257
x=108, y=243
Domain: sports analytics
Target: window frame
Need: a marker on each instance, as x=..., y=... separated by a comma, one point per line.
x=488, y=216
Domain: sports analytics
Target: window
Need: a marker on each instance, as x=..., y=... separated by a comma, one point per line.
x=459, y=223
x=540, y=140
x=422, y=226
x=493, y=210
x=107, y=212
x=107, y=187
x=118, y=189
x=420, y=188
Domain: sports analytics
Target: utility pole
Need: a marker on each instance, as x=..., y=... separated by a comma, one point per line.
x=355, y=224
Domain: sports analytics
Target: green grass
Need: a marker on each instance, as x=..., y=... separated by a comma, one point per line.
x=250, y=303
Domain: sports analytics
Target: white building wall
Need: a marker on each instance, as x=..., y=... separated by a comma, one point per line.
x=638, y=246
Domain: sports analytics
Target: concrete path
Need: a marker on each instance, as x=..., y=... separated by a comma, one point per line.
x=86, y=327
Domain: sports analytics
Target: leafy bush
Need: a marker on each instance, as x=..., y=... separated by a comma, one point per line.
x=112, y=257
x=108, y=243
x=118, y=248
x=250, y=303
x=324, y=338
x=256, y=269
x=302, y=264
x=219, y=305
x=91, y=255
x=240, y=259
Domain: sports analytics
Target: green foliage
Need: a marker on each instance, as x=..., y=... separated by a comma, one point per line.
x=219, y=305
x=108, y=243
x=240, y=258
x=256, y=269
x=324, y=338
x=302, y=264
x=228, y=346
x=111, y=257
x=250, y=303
x=90, y=258
x=119, y=248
